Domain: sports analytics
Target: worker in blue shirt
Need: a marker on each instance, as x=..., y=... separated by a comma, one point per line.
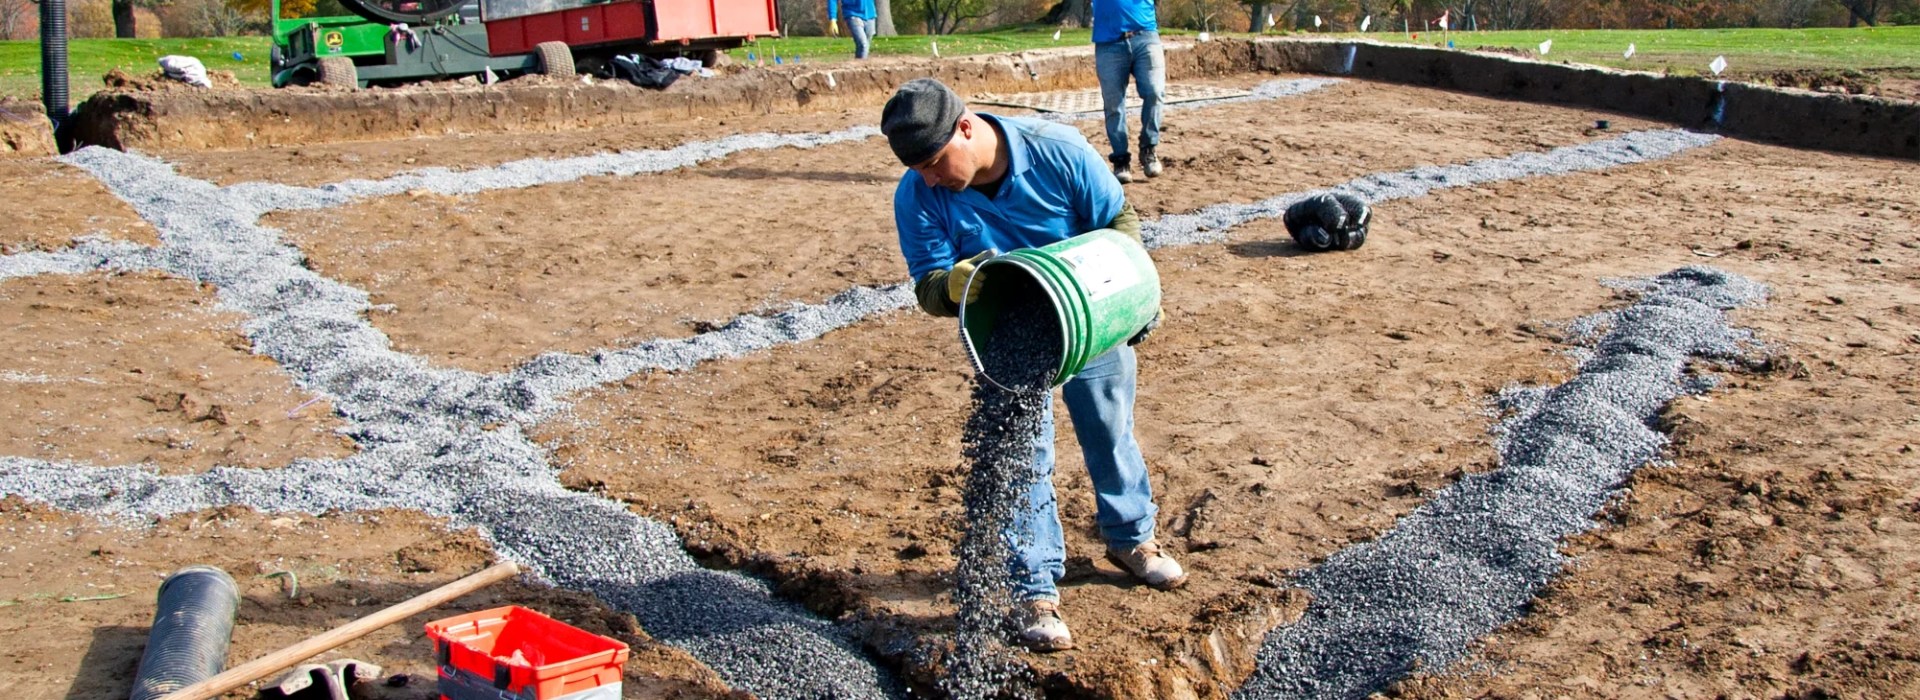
x=1126, y=44
x=860, y=17
x=977, y=183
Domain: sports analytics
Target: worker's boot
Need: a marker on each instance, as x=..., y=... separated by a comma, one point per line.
x=1042, y=630
x=1149, y=162
x=1148, y=564
x=1122, y=167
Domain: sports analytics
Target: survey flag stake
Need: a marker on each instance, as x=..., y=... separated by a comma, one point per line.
x=936, y=48
x=1719, y=64
x=1056, y=35
x=1443, y=19
x=1269, y=20
x=1316, y=21
x=1629, y=50
x=1546, y=47
x=1364, y=21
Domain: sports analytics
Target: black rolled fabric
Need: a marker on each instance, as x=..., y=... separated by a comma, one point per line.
x=1328, y=222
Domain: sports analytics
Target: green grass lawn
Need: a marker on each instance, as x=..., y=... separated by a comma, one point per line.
x=1683, y=52
x=88, y=59
x=1687, y=52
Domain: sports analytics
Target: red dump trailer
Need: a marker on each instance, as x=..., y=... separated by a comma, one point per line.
x=446, y=38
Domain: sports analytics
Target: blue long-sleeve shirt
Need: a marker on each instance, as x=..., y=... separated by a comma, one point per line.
x=1111, y=18
x=1056, y=187
x=862, y=9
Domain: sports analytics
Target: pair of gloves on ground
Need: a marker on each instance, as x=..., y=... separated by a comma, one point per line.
x=957, y=290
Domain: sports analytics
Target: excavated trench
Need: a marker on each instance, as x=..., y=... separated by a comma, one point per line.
x=427, y=443
x=426, y=427
x=232, y=119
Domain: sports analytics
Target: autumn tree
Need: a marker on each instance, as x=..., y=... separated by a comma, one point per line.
x=1858, y=11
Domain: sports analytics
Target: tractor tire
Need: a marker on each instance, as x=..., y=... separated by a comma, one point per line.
x=338, y=71
x=553, y=58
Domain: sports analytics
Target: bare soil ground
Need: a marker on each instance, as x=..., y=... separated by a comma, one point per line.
x=607, y=261
x=51, y=205
x=117, y=369
x=1293, y=405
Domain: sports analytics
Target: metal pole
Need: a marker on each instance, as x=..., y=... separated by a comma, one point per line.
x=53, y=62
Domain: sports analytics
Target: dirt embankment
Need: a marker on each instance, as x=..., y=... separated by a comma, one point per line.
x=223, y=119
x=24, y=130
x=129, y=117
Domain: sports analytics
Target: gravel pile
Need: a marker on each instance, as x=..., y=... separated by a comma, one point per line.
x=1021, y=353
x=1470, y=559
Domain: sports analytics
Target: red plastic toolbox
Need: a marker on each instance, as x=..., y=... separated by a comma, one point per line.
x=524, y=653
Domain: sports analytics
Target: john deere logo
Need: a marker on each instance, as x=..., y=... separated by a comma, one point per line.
x=334, y=40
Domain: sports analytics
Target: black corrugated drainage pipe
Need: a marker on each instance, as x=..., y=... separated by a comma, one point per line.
x=53, y=67
x=191, y=628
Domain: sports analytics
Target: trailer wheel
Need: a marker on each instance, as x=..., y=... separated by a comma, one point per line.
x=553, y=58
x=338, y=71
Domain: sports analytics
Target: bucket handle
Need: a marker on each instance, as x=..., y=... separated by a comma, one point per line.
x=966, y=339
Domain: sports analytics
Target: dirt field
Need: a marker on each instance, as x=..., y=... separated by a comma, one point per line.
x=1293, y=404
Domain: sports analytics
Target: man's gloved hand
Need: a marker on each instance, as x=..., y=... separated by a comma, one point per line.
x=833, y=27
x=957, y=278
x=1152, y=325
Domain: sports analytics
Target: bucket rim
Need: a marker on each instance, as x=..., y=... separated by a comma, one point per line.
x=1027, y=267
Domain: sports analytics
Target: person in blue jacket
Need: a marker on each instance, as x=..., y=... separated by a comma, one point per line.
x=860, y=17
x=979, y=182
x=1126, y=44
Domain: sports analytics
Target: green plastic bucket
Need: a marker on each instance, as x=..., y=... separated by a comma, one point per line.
x=1102, y=286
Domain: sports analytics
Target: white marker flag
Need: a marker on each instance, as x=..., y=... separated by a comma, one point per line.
x=1546, y=47
x=1443, y=19
x=1056, y=35
x=1629, y=50
x=1364, y=21
x=1269, y=20
x=1316, y=21
x=1719, y=64
x=936, y=48
x=831, y=83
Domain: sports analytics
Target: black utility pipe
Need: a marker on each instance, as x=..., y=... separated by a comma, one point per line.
x=53, y=64
x=191, y=629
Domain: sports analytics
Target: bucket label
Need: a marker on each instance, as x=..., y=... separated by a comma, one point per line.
x=1103, y=268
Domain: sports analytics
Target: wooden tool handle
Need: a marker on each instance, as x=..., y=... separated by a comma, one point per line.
x=259, y=668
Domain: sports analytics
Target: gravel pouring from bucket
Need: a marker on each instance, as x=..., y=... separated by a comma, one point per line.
x=1101, y=285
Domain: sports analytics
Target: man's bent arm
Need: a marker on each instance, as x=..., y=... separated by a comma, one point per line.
x=931, y=290
x=1128, y=222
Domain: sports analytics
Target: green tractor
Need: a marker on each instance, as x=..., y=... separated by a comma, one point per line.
x=392, y=41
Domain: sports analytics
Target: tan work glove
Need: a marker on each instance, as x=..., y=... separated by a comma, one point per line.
x=957, y=278
x=833, y=27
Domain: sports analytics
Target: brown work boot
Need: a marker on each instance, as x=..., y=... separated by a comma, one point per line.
x=1148, y=564
x=1043, y=630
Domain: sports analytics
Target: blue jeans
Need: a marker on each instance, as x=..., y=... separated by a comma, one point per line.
x=1100, y=402
x=862, y=31
x=1141, y=58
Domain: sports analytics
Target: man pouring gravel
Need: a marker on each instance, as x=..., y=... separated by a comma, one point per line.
x=980, y=183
